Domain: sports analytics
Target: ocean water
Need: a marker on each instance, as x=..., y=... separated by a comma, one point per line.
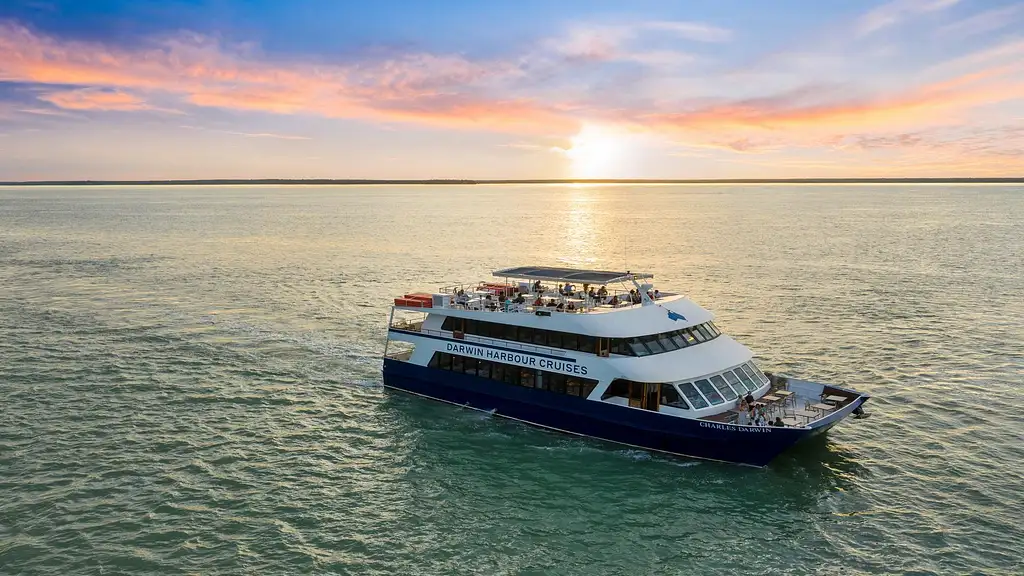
x=190, y=383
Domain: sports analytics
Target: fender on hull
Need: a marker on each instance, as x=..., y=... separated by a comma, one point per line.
x=753, y=446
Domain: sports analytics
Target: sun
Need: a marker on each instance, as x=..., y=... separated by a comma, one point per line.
x=598, y=152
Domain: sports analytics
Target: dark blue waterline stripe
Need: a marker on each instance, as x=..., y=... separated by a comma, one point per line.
x=469, y=343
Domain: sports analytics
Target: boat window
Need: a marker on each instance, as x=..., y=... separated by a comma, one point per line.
x=758, y=375
x=735, y=382
x=469, y=366
x=747, y=380
x=435, y=360
x=690, y=340
x=555, y=382
x=526, y=378
x=652, y=344
x=457, y=363
x=512, y=375
x=670, y=397
x=638, y=347
x=723, y=387
x=697, y=335
x=693, y=396
x=709, y=391
x=472, y=327
x=570, y=341
x=666, y=341
x=497, y=371
x=524, y=334
x=572, y=386
x=703, y=330
x=616, y=388
x=588, y=344
x=620, y=346
x=483, y=369
x=588, y=386
x=679, y=340
x=540, y=337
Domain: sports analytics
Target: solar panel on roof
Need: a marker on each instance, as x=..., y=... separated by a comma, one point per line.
x=567, y=274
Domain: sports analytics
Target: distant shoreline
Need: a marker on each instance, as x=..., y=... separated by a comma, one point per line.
x=357, y=182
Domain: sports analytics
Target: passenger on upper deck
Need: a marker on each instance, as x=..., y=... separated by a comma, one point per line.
x=520, y=300
x=657, y=294
x=537, y=287
x=591, y=293
x=614, y=301
x=603, y=291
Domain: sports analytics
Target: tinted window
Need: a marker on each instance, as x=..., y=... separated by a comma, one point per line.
x=696, y=334
x=588, y=387
x=638, y=347
x=555, y=382
x=483, y=369
x=652, y=344
x=619, y=346
x=588, y=344
x=526, y=378
x=435, y=360
x=734, y=382
x=693, y=396
x=497, y=371
x=457, y=363
x=617, y=388
x=704, y=330
x=753, y=373
x=570, y=341
x=688, y=336
x=572, y=386
x=747, y=380
x=670, y=397
x=723, y=387
x=679, y=340
x=469, y=365
x=709, y=391
x=760, y=375
x=524, y=334
x=666, y=342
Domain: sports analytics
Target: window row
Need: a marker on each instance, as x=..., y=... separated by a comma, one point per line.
x=704, y=392
x=637, y=346
x=515, y=375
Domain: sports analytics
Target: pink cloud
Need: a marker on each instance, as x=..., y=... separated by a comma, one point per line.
x=91, y=99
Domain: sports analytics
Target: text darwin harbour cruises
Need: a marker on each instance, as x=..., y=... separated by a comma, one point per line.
x=606, y=355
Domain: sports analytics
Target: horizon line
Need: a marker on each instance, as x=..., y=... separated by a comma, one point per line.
x=467, y=181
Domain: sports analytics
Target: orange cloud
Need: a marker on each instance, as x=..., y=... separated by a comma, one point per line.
x=91, y=99
x=422, y=88
x=929, y=103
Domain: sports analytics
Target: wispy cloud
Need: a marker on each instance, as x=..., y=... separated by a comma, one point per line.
x=983, y=22
x=247, y=134
x=896, y=11
x=95, y=99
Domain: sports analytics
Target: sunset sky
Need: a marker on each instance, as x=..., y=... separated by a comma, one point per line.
x=127, y=89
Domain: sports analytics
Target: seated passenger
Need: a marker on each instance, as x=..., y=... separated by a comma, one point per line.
x=571, y=307
x=603, y=291
x=538, y=301
x=560, y=306
x=520, y=300
x=778, y=422
x=592, y=293
x=614, y=301
x=657, y=294
x=551, y=302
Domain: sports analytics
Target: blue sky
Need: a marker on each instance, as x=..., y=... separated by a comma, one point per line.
x=191, y=89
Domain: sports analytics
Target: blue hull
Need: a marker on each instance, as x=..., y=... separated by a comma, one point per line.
x=755, y=446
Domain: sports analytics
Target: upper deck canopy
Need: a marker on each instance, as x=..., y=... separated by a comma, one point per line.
x=568, y=274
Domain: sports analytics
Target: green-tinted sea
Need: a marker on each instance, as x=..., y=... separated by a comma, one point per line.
x=190, y=382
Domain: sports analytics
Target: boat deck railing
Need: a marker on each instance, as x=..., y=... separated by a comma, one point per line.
x=801, y=407
x=475, y=297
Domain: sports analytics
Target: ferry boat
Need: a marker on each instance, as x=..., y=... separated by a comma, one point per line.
x=603, y=354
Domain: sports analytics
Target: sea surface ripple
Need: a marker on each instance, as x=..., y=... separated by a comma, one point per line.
x=190, y=382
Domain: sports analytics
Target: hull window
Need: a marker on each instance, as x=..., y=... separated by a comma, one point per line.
x=556, y=382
